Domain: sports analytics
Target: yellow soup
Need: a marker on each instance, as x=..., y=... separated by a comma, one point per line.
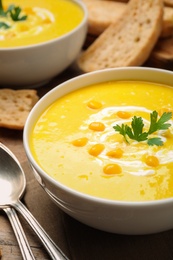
x=74, y=142
x=46, y=20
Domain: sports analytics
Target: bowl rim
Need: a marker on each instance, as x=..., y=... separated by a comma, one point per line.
x=58, y=184
x=84, y=22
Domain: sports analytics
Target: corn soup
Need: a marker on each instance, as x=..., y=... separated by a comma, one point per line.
x=74, y=141
x=45, y=20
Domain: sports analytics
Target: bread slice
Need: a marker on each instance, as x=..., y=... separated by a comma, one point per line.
x=15, y=106
x=128, y=42
x=102, y=13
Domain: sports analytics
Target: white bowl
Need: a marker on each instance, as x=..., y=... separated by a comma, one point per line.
x=112, y=216
x=36, y=64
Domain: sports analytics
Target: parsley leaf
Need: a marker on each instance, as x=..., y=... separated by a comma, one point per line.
x=1, y=8
x=155, y=141
x=137, y=129
x=4, y=25
x=135, y=132
x=160, y=124
x=2, y=13
x=122, y=130
x=14, y=12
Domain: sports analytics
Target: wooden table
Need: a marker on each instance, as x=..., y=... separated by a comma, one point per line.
x=78, y=241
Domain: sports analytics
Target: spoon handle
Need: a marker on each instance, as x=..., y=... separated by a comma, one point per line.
x=20, y=235
x=51, y=247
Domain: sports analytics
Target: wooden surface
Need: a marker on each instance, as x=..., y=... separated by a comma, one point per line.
x=78, y=241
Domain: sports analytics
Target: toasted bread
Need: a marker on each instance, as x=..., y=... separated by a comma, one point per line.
x=127, y=42
x=102, y=14
x=15, y=106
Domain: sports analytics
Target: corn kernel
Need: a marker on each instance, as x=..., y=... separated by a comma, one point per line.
x=5, y=7
x=123, y=114
x=80, y=142
x=116, y=138
x=23, y=28
x=167, y=133
x=163, y=110
x=46, y=21
x=112, y=169
x=152, y=161
x=97, y=126
x=96, y=149
x=116, y=153
x=94, y=104
x=28, y=10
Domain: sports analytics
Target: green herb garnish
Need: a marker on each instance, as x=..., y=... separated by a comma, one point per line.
x=14, y=12
x=135, y=132
x=4, y=25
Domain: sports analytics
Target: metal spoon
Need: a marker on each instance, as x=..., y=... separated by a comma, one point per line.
x=13, y=183
x=15, y=223
x=19, y=233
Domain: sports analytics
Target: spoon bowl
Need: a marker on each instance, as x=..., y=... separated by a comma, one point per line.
x=10, y=189
x=12, y=179
x=12, y=185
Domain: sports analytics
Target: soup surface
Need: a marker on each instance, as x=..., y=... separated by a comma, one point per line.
x=46, y=20
x=74, y=142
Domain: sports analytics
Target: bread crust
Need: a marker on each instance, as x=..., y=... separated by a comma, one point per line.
x=103, y=12
x=167, y=30
x=168, y=2
x=15, y=106
x=127, y=42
